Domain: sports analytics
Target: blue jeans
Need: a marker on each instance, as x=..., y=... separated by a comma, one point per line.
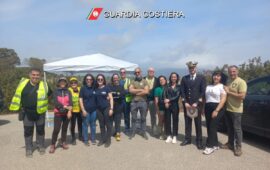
x=126, y=111
x=90, y=119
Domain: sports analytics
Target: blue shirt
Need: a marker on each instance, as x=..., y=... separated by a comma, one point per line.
x=89, y=98
x=101, y=97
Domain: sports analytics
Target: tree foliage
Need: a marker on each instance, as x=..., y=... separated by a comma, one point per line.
x=8, y=58
x=36, y=62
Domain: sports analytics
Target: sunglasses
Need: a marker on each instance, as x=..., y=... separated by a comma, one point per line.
x=99, y=79
x=137, y=72
x=73, y=83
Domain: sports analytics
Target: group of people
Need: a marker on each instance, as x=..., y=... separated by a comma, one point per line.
x=106, y=102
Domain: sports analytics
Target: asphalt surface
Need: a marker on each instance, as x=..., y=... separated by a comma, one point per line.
x=128, y=154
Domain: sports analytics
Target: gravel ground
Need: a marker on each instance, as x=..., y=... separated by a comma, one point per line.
x=127, y=154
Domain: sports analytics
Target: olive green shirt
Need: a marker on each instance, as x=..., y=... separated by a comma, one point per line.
x=139, y=85
x=236, y=86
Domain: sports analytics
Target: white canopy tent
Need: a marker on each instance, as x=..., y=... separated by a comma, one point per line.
x=89, y=63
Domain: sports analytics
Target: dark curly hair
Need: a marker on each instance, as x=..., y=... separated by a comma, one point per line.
x=88, y=75
x=170, y=78
x=158, y=83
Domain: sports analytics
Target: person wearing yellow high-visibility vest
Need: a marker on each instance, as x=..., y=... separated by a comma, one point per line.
x=32, y=97
x=125, y=82
x=76, y=109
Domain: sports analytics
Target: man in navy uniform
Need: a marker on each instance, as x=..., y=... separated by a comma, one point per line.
x=193, y=89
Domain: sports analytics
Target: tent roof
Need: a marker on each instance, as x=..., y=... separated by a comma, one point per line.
x=94, y=62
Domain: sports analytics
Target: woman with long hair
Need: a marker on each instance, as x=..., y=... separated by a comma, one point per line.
x=171, y=96
x=105, y=108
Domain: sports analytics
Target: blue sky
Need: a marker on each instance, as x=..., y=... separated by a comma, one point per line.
x=213, y=32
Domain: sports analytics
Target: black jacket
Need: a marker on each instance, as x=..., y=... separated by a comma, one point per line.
x=193, y=90
x=172, y=94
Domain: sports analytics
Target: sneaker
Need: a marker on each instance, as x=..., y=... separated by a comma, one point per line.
x=208, y=151
x=216, y=147
x=41, y=150
x=86, y=143
x=52, y=149
x=117, y=137
x=29, y=154
x=64, y=146
x=174, y=141
x=238, y=151
x=226, y=146
x=145, y=136
x=169, y=139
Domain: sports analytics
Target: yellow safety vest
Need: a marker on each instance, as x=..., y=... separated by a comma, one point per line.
x=75, y=100
x=126, y=86
x=42, y=97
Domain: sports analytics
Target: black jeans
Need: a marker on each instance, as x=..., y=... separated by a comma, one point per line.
x=211, y=124
x=234, y=126
x=105, y=124
x=172, y=113
x=117, y=113
x=78, y=117
x=198, y=125
x=60, y=121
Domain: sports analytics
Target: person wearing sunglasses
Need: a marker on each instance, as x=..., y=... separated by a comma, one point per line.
x=118, y=94
x=76, y=109
x=139, y=89
x=105, y=108
x=88, y=107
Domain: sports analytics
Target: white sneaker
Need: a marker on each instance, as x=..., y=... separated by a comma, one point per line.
x=169, y=139
x=208, y=151
x=216, y=147
x=174, y=141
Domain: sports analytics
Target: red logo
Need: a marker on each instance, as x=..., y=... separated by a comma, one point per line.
x=94, y=13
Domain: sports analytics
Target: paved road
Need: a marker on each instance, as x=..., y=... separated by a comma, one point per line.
x=127, y=154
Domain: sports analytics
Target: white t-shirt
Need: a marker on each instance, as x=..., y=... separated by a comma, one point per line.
x=213, y=93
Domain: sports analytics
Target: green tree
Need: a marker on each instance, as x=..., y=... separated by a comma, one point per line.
x=8, y=58
x=36, y=62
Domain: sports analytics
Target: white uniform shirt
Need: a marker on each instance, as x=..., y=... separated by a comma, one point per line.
x=213, y=93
